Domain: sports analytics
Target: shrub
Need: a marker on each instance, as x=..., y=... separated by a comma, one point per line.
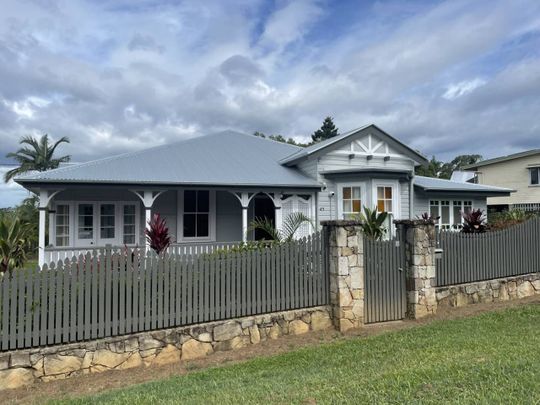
x=14, y=243
x=474, y=221
x=372, y=223
x=157, y=234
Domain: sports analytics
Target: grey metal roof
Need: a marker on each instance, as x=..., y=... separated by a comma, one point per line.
x=503, y=158
x=434, y=184
x=226, y=158
x=305, y=152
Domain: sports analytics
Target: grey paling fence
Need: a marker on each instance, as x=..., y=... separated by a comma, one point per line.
x=95, y=296
x=477, y=257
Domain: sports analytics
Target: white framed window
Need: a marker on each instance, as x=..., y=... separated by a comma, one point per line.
x=107, y=221
x=449, y=212
x=62, y=225
x=386, y=197
x=534, y=176
x=129, y=227
x=196, y=221
x=351, y=199
x=91, y=223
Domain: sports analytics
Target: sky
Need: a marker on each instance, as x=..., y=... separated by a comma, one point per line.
x=446, y=77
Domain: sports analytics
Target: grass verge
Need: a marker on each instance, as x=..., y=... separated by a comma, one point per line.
x=493, y=357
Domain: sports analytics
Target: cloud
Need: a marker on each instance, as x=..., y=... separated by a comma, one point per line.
x=460, y=89
x=120, y=76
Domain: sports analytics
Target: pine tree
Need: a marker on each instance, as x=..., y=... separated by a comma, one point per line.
x=327, y=131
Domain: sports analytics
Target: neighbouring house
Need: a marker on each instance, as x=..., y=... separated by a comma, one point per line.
x=519, y=171
x=209, y=189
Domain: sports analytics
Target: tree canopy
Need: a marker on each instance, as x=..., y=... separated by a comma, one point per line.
x=327, y=130
x=442, y=170
x=36, y=155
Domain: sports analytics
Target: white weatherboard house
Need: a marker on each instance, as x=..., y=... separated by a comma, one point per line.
x=209, y=189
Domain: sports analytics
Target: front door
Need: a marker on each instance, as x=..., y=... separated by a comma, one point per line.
x=85, y=227
x=264, y=208
x=107, y=224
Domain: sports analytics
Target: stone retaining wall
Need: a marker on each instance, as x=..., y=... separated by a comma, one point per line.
x=23, y=367
x=502, y=289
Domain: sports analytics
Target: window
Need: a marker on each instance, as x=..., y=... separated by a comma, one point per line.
x=449, y=212
x=352, y=201
x=106, y=221
x=129, y=224
x=384, y=199
x=535, y=176
x=196, y=213
x=62, y=225
x=86, y=221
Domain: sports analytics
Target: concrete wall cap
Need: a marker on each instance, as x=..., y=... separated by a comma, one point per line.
x=341, y=222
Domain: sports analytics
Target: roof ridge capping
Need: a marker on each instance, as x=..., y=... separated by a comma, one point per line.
x=309, y=150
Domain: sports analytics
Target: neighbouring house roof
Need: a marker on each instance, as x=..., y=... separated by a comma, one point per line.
x=502, y=159
x=462, y=176
x=226, y=158
x=442, y=185
x=341, y=138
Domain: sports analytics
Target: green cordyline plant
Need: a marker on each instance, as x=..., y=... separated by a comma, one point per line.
x=290, y=225
x=14, y=244
x=372, y=223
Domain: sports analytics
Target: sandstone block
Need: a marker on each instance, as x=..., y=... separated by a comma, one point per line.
x=320, y=321
x=298, y=327
x=134, y=360
x=61, y=364
x=109, y=359
x=169, y=354
x=20, y=359
x=15, y=378
x=146, y=343
x=193, y=349
x=227, y=331
x=525, y=289
x=254, y=334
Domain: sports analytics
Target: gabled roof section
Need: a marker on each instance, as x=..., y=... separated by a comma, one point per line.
x=442, y=185
x=223, y=159
x=342, y=139
x=499, y=159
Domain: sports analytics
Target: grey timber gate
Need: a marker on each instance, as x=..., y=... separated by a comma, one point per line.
x=384, y=272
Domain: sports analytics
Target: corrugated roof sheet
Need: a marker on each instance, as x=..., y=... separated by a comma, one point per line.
x=225, y=158
x=434, y=184
x=503, y=158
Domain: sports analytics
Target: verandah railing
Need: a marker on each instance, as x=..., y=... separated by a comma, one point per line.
x=54, y=254
x=95, y=296
x=509, y=252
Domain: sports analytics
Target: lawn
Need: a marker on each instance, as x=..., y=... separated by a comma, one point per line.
x=491, y=358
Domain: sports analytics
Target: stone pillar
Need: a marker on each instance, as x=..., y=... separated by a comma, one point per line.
x=346, y=268
x=420, y=244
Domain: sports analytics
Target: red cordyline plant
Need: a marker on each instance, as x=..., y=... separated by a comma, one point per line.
x=474, y=221
x=428, y=218
x=157, y=234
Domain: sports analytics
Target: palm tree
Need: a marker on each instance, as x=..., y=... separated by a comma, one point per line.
x=36, y=155
x=289, y=227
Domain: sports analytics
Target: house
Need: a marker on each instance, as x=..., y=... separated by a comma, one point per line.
x=519, y=171
x=209, y=189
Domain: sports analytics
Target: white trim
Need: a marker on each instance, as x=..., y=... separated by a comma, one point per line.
x=363, y=195
x=396, y=195
x=211, y=217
